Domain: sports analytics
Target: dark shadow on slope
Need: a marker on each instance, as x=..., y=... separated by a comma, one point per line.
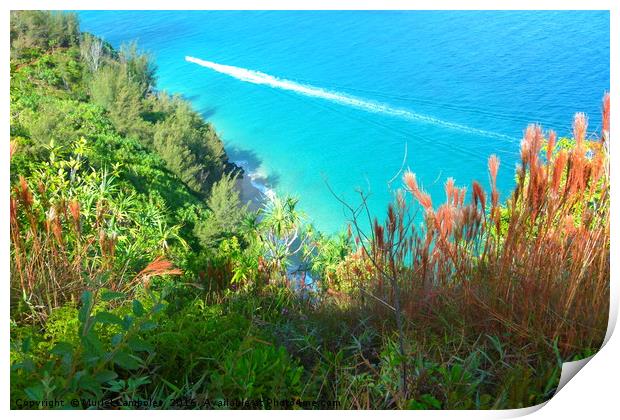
x=253, y=186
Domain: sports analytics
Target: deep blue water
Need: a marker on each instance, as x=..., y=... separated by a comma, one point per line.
x=351, y=89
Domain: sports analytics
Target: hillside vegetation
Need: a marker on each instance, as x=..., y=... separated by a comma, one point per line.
x=138, y=274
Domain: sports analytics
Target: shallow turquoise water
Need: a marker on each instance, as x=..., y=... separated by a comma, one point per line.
x=351, y=90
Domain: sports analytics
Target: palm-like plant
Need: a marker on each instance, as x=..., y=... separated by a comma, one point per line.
x=281, y=232
x=167, y=234
x=326, y=254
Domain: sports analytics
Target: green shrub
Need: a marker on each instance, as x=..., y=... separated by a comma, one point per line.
x=261, y=371
x=86, y=366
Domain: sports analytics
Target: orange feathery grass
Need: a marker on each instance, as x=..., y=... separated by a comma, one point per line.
x=605, y=135
x=493, y=168
x=538, y=272
x=558, y=170
x=54, y=259
x=13, y=149
x=158, y=267
x=580, y=127
x=551, y=145
x=493, y=165
x=25, y=194
x=423, y=198
x=479, y=195
x=74, y=208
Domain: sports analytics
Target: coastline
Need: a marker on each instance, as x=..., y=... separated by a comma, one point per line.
x=252, y=185
x=254, y=189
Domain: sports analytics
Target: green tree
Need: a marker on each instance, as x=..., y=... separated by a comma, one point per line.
x=190, y=147
x=114, y=90
x=227, y=213
x=41, y=30
x=138, y=66
x=179, y=158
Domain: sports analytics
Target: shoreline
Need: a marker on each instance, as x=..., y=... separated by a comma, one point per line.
x=252, y=185
x=255, y=191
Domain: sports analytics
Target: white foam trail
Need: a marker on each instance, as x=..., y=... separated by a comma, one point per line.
x=259, y=78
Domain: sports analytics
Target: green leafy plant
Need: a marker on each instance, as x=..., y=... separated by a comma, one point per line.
x=89, y=367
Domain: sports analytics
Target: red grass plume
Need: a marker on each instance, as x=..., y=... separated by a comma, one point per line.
x=423, y=198
x=580, y=127
x=158, y=267
x=13, y=149
x=606, y=116
x=539, y=271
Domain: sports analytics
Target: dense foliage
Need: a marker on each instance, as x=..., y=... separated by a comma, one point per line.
x=139, y=275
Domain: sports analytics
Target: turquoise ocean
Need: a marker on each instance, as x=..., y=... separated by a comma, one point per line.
x=307, y=99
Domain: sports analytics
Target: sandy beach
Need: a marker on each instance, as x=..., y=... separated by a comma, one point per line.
x=253, y=187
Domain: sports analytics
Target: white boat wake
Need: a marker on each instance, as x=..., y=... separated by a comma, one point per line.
x=259, y=78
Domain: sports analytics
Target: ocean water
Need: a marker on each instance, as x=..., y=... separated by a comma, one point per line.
x=345, y=99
